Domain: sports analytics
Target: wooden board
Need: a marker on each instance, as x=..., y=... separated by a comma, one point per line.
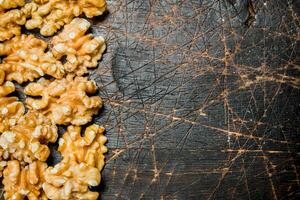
x=201, y=99
x=201, y=103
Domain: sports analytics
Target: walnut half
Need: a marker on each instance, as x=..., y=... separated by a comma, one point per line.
x=70, y=180
x=88, y=149
x=50, y=15
x=10, y=108
x=8, y=4
x=24, y=181
x=64, y=101
x=26, y=59
x=27, y=140
x=82, y=50
x=80, y=168
x=10, y=20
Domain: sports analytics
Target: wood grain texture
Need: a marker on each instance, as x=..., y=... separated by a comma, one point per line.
x=200, y=102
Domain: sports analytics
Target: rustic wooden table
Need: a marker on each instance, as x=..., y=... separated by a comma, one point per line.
x=201, y=99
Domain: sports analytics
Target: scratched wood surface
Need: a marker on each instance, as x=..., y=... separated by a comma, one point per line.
x=201, y=99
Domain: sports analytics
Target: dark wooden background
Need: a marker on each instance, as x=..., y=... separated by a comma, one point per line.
x=201, y=99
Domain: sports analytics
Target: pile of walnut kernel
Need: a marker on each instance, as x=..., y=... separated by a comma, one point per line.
x=64, y=97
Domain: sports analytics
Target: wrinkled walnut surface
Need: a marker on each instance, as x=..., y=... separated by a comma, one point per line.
x=80, y=168
x=24, y=181
x=27, y=140
x=88, y=149
x=82, y=50
x=8, y=4
x=64, y=101
x=70, y=180
x=49, y=16
x=10, y=20
x=26, y=59
x=62, y=97
x=11, y=109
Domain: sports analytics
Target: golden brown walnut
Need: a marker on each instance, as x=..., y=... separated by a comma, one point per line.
x=10, y=111
x=70, y=180
x=26, y=59
x=8, y=4
x=88, y=149
x=3, y=163
x=10, y=108
x=49, y=16
x=11, y=20
x=21, y=42
x=92, y=8
x=80, y=168
x=82, y=50
x=10, y=23
x=27, y=140
x=24, y=182
x=64, y=101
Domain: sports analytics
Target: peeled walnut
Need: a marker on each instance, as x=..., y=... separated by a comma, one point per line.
x=24, y=182
x=70, y=180
x=26, y=59
x=8, y=4
x=64, y=101
x=92, y=8
x=21, y=42
x=10, y=108
x=49, y=16
x=11, y=20
x=10, y=111
x=10, y=24
x=27, y=140
x=88, y=149
x=82, y=50
x=80, y=168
